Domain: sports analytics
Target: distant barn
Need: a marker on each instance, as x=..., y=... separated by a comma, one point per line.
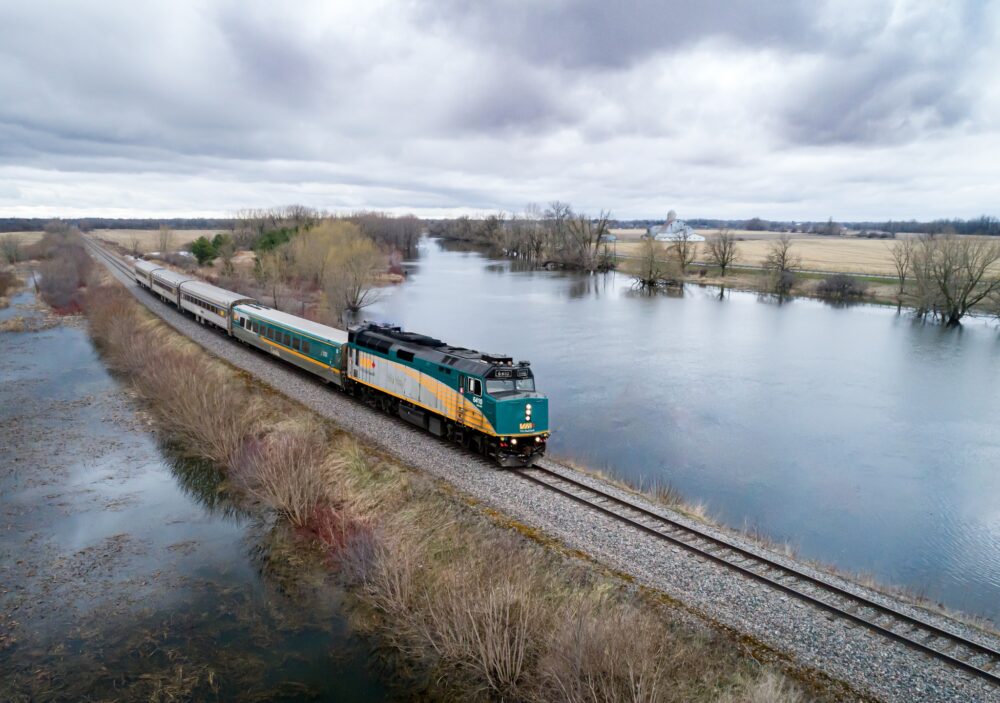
x=673, y=230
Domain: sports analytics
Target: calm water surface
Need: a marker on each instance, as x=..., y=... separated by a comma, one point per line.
x=861, y=437
x=127, y=575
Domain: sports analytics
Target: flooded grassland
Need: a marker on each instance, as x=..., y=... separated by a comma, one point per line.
x=127, y=574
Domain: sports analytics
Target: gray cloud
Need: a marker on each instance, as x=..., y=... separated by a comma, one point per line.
x=600, y=34
x=722, y=109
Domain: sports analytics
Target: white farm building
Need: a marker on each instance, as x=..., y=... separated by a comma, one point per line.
x=673, y=230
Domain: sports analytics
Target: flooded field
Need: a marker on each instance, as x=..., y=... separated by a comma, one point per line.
x=128, y=575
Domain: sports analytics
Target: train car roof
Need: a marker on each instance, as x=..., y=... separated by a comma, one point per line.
x=382, y=338
x=315, y=329
x=171, y=277
x=213, y=294
x=147, y=266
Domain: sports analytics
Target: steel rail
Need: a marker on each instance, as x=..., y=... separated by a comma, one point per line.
x=908, y=630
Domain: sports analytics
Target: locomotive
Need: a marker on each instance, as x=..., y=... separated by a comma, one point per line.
x=485, y=402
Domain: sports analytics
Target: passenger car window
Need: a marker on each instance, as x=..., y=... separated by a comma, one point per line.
x=305, y=346
x=295, y=343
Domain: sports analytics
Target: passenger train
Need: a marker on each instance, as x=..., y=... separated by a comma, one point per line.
x=485, y=402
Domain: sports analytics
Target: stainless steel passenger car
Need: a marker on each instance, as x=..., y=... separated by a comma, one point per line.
x=144, y=272
x=166, y=284
x=210, y=304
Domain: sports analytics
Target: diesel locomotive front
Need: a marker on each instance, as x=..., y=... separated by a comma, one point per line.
x=483, y=401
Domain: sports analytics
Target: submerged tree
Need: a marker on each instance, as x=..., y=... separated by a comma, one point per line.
x=652, y=267
x=350, y=277
x=952, y=274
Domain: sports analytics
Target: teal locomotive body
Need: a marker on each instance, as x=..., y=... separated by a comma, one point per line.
x=484, y=401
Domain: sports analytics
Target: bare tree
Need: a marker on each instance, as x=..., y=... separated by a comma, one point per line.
x=272, y=272
x=653, y=266
x=901, y=252
x=781, y=262
x=226, y=251
x=954, y=274
x=583, y=237
x=134, y=245
x=683, y=250
x=722, y=250
x=10, y=249
x=165, y=239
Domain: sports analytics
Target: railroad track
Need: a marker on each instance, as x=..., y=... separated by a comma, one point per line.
x=110, y=258
x=954, y=649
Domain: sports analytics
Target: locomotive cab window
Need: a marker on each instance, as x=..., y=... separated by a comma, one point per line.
x=474, y=385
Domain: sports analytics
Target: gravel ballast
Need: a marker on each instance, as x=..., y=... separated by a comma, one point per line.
x=872, y=665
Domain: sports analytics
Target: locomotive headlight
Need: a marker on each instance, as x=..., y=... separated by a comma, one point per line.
x=527, y=408
x=513, y=440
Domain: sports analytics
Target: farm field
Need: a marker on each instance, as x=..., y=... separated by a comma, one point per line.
x=818, y=253
x=148, y=238
x=842, y=255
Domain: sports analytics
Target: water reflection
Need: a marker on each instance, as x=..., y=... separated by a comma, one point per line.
x=864, y=437
x=205, y=485
x=129, y=574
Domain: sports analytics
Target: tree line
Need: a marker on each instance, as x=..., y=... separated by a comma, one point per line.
x=555, y=236
x=87, y=224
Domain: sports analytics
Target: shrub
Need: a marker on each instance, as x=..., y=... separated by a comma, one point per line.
x=842, y=286
x=65, y=271
x=7, y=281
x=286, y=469
x=203, y=250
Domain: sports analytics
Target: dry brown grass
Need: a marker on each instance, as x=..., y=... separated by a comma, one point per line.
x=834, y=254
x=476, y=610
x=148, y=239
x=287, y=470
x=25, y=238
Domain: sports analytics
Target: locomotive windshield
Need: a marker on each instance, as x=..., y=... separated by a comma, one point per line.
x=506, y=385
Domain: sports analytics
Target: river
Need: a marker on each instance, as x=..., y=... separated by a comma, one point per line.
x=128, y=574
x=863, y=438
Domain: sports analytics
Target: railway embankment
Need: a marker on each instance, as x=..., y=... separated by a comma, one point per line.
x=614, y=565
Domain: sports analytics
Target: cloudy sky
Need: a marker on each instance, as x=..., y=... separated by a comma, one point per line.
x=854, y=109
